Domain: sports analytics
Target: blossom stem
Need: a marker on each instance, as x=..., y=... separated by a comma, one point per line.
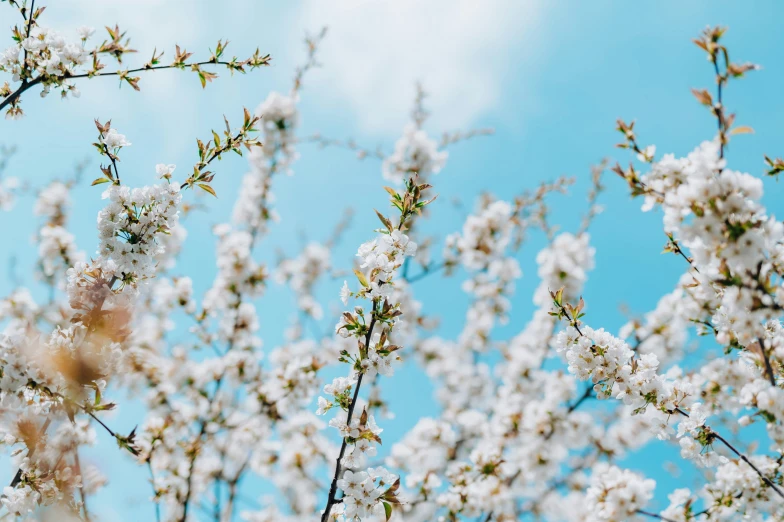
x=27, y=34
x=216, y=154
x=572, y=321
x=334, y=485
x=114, y=163
x=678, y=250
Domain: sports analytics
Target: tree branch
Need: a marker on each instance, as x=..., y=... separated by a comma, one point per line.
x=334, y=485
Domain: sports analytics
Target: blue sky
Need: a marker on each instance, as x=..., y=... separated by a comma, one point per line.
x=550, y=77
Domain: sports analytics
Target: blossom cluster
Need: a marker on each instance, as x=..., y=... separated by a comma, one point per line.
x=44, y=56
x=415, y=153
x=372, y=355
x=51, y=56
x=55, y=374
x=514, y=433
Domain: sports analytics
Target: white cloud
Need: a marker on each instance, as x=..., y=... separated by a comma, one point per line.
x=149, y=24
x=463, y=51
x=377, y=49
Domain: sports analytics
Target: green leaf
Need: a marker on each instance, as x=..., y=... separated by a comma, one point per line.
x=385, y=221
x=387, y=510
x=207, y=188
x=98, y=181
x=361, y=277
x=743, y=129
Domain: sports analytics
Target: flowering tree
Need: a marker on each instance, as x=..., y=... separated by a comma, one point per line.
x=515, y=437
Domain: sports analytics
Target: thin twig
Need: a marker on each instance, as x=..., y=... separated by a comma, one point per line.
x=719, y=108
x=191, y=466
x=583, y=397
x=654, y=515
x=768, y=366
x=154, y=489
x=113, y=158
x=26, y=85
x=82, y=494
x=426, y=270
x=27, y=35
x=747, y=461
x=217, y=153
